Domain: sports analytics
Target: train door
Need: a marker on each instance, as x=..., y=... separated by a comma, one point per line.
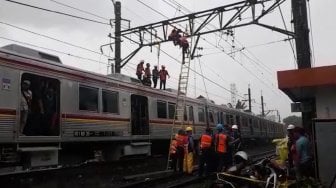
x=139, y=115
x=39, y=106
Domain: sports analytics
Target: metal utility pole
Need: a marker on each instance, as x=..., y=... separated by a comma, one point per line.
x=299, y=10
x=249, y=99
x=262, y=106
x=117, y=35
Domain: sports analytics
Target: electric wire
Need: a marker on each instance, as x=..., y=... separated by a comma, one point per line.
x=222, y=50
x=290, y=42
x=53, y=50
x=57, y=12
x=80, y=10
x=52, y=38
x=265, y=67
x=214, y=46
x=311, y=34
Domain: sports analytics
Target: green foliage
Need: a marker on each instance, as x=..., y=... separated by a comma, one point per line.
x=295, y=120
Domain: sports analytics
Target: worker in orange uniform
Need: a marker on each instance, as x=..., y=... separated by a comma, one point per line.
x=140, y=69
x=147, y=76
x=163, y=73
x=181, y=144
x=173, y=153
x=221, y=142
x=205, y=154
x=189, y=155
x=184, y=44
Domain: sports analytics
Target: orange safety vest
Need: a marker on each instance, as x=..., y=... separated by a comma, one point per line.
x=173, y=146
x=206, y=141
x=181, y=140
x=221, y=143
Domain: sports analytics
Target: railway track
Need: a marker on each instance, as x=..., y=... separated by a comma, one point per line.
x=147, y=172
x=174, y=180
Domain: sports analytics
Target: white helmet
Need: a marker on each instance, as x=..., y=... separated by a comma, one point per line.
x=242, y=154
x=290, y=127
x=234, y=127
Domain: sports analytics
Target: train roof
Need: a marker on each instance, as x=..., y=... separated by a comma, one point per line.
x=31, y=53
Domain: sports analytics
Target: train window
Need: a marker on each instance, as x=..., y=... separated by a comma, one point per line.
x=191, y=113
x=185, y=115
x=227, y=118
x=256, y=123
x=171, y=110
x=245, y=123
x=110, y=101
x=162, y=109
x=211, y=118
x=237, y=120
x=201, y=115
x=88, y=98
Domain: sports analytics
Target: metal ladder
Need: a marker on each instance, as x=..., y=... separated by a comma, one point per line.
x=180, y=107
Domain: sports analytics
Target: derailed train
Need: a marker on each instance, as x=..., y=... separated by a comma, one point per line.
x=111, y=115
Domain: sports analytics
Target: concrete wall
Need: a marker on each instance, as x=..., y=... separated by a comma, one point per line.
x=326, y=102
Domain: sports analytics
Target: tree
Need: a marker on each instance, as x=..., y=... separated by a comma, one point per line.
x=295, y=120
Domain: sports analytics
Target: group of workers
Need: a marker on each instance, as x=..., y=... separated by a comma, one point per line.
x=145, y=75
x=299, y=153
x=215, y=150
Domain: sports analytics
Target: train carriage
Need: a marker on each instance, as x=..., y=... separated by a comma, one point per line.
x=89, y=112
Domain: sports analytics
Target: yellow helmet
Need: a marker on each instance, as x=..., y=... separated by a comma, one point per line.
x=188, y=129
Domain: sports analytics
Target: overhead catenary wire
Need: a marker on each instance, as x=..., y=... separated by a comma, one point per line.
x=257, y=61
x=290, y=42
x=52, y=38
x=80, y=10
x=53, y=50
x=222, y=50
x=311, y=34
x=58, y=12
x=216, y=47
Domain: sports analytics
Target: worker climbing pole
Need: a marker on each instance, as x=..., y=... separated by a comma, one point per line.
x=180, y=107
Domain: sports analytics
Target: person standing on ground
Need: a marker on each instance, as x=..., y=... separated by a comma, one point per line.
x=221, y=142
x=301, y=157
x=189, y=155
x=290, y=134
x=205, y=152
x=155, y=75
x=163, y=77
x=181, y=144
x=173, y=153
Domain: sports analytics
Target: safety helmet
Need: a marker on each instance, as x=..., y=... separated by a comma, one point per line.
x=188, y=129
x=234, y=127
x=219, y=127
x=290, y=127
x=241, y=154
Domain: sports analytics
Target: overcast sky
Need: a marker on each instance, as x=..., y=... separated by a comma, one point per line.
x=264, y=54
